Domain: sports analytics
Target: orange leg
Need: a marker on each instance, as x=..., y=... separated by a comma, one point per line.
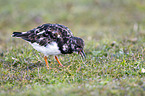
x=58, y=61
x=45, y=58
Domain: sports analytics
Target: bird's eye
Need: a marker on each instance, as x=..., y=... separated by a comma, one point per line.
x=78, y=46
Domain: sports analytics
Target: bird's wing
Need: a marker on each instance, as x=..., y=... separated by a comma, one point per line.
x=45, y=34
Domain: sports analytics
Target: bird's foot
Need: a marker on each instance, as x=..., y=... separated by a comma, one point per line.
x=61, y=66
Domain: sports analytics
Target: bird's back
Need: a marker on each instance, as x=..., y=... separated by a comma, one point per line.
x=45, y=34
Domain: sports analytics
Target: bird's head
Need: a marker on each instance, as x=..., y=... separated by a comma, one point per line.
x=77, y=45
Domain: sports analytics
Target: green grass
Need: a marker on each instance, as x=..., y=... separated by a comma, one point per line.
x=114, y=35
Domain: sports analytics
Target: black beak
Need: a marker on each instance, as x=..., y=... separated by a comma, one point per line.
x=83, y=54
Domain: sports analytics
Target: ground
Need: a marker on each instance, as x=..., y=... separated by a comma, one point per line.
x=114, y=35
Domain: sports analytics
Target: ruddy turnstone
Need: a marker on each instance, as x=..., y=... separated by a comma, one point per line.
x=53, y=39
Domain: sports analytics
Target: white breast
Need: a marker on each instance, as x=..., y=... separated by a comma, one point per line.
x=50, y=49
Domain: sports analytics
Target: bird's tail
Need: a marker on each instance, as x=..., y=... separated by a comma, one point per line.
x=20, y=34
x=23, y=35
x=17, y=34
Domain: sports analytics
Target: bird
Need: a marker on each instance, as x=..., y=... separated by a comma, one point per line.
x=53, y=39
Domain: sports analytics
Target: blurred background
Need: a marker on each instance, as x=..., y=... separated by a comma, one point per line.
x=92, y=20
x=114, y=35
